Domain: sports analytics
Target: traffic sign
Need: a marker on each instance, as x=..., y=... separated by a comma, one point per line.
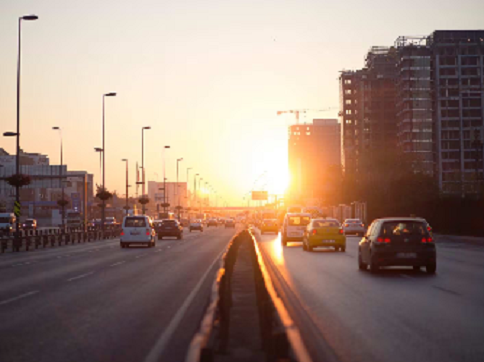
x=16, y=209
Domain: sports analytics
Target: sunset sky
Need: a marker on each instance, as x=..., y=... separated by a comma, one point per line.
x=207, y=76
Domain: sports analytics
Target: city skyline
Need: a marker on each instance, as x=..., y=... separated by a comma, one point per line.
x=207, y=88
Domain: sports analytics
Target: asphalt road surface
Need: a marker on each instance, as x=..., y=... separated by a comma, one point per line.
x=397, y=315
x=98, y=302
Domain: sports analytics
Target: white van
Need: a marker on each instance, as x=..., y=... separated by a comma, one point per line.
x=137, y=230
x=294, y=227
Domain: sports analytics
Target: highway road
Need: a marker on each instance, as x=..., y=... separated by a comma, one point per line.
x=98, y=302
x=397, y=315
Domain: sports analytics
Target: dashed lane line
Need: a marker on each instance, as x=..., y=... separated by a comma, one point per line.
x=18, y=297
x=118, y=263
x=80, y=276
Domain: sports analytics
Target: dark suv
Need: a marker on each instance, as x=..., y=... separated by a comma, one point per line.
x=170, y=228
x=401, y=241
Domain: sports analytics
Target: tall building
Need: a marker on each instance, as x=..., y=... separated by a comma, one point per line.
x=367, y=108
x=314, y=149
x=425, y=97
x=458, y=71
x=415, y=127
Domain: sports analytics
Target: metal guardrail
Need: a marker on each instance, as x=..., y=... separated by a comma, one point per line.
x=280, y=337
x=34, y=239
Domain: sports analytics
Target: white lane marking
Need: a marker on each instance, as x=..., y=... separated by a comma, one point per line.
x=140, y=256
x=80, y=276
x=118, y=263
x=19, y=297
x=157, y=350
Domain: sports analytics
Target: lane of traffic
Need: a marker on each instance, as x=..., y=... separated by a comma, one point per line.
x=118, y=313
x=397, y=314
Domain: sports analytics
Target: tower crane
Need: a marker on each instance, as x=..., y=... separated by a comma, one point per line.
x=299, y=111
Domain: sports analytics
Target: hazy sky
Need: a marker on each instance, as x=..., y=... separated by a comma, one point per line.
x=207, y=76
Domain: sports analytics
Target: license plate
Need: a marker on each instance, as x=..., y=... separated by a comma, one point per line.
x=295, y=234
x=329, y=241
x=406, y=255
x=134, y=233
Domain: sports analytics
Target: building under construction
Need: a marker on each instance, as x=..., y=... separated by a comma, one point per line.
x=425, y=96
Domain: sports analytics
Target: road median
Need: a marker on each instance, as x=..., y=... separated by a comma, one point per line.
x=245, y=319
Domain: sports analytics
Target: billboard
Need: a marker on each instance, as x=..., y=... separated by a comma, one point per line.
x=259, y=195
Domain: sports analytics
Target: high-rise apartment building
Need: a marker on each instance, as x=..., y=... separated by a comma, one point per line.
x=414, y=106
x=458, y=83
x=367, y=109
x=424, y=96
x=314, y=150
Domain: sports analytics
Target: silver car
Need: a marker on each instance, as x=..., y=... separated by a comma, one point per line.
x=354, y=226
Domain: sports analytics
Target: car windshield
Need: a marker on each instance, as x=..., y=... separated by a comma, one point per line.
x=401, y=228
x=299, y=220
x=135, y=222
x=5, y=220
x=353, y=221
x=325, y=223
x=169, y=222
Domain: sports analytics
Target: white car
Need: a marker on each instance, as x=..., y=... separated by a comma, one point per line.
x=294, y=227
x=137, y=230
x=196, y=225
x=354, y=226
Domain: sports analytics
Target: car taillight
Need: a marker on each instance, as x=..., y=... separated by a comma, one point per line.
x=122, y=233
x=427, y=240
x=341, y=231
x=346, y=225
x=383, y=240
x=429, y=228
x=315, y=231
x=362, y=225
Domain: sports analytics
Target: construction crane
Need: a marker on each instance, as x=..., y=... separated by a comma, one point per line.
x=299, y=111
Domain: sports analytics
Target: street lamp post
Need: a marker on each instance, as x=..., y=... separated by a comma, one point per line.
x=188, y=170
x=17, y=134
x=195, y=189
x=164, y=178
x=112, y=94
x=100, y=150
x=127, y=186
x=60, y=173
x=143, y=164
x=200, y=190
x=177, y=186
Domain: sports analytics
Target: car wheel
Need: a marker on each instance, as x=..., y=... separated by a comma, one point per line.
x=310, y=248
x=121, y=244
x=305, y=248
x=431, y=268
x=343, y=249
x=361, y=265
x=374, y=268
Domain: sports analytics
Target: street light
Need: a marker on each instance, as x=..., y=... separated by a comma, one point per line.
x=177, y=186
x=60, y=173
x=17, y=134
x=112, y=94
x=143, y=163
x=100, y=150
x=188, y=170
x=127, y=186
x=164, y=178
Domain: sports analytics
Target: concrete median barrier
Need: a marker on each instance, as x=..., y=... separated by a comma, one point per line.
x=245, y=318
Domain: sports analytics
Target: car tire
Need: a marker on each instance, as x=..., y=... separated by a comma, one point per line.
x=361, y=265
x=431, y=268
x=342, y=249
x=305, y=248
x=121, y=244
x=374, y=268
x=310, y=248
